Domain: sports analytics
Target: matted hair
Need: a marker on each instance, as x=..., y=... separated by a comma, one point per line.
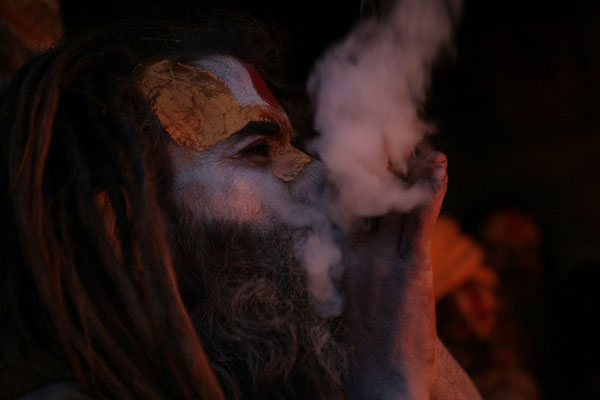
x=79, y=301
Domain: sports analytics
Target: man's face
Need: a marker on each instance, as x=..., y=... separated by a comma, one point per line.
x=231, y=150
x=242, y=190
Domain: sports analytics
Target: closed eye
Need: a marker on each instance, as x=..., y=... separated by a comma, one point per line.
x=257, y=153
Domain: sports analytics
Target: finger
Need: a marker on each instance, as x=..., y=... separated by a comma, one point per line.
x=421, y=168
x=418, y=224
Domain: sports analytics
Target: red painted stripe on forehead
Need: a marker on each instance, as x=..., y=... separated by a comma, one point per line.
x=261, y=87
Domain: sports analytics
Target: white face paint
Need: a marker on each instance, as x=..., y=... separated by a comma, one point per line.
x=231, y=141
x=233, y=182
x=233, y=160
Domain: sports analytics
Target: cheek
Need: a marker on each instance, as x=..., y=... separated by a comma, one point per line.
x=214, y=189
x=230, y=193
x=240, y=199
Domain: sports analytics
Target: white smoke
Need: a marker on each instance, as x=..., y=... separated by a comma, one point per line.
x=367, y=92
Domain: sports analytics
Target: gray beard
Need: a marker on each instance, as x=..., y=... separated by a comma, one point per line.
x=247, y=297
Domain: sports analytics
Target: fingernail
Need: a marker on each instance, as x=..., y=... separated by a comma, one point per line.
x=438, y=175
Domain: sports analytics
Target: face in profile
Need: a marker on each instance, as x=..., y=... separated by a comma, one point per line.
x=236, y=173
x=231, y=148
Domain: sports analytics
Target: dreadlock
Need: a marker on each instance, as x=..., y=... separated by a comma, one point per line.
x=82, y=298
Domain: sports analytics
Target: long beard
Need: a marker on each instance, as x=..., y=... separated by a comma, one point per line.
x=247, y=297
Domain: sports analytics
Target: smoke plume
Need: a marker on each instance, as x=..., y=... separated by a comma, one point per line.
x=367, y=92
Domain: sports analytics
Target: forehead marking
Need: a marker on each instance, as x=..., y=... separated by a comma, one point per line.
x=202, y=104
x=261, y=87
x=198, y=108
x=245, y=83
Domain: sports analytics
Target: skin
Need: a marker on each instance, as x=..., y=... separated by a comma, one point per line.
x=394, y=351
x=234, y=181
x=391, y=308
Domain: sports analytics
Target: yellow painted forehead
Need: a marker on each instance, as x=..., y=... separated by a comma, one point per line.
x=203, y=104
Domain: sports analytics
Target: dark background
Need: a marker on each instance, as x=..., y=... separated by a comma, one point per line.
x=518, y=114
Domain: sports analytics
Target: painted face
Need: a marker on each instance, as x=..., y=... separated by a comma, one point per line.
x=231, y=148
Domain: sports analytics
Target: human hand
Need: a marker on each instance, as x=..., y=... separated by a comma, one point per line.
x=390, y=311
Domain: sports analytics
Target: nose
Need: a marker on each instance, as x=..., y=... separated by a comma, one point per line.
x=309, y=183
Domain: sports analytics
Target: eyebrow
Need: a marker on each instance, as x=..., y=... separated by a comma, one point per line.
x=268, y=128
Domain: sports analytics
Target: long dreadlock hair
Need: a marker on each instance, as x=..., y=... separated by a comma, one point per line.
x=80, y=301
